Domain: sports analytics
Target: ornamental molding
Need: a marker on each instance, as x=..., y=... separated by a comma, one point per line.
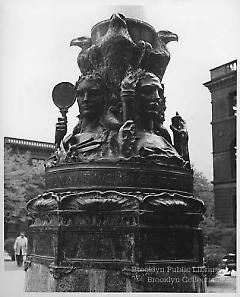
x=60, y=271
x=112, y=201
x=220, y=83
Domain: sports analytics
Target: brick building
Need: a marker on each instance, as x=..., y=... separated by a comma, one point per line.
x=223, y=89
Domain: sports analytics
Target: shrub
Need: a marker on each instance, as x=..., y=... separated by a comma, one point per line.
x=213, y=255
x=218, y=234
x=8, y=247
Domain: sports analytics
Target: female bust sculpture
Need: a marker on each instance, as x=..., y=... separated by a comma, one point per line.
x=142, y=94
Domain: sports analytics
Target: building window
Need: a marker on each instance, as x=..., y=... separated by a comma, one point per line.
x=233, y=150
x=234, y=209
x=232, y=100
x=232, y=66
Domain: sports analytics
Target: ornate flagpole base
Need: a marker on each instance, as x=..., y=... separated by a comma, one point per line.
x=119, y=213
x=118, y=238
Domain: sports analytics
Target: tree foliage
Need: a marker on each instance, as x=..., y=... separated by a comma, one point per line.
x=214, y=232
x=213, y=255
x=203, y=189
x=23, y=180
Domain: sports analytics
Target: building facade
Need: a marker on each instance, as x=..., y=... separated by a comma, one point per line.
x=223, y=89
x=38, y=150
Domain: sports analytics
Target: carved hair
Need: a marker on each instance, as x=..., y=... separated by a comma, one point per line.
x=107, y=119
x=133, y=78
x=130, y=85
x=150, y=76
x=94, y=76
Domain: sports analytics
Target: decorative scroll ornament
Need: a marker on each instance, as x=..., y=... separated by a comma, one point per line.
x=97, y=200
x=174, y=202
x=113, y=200
x=60, y=271
x=45, y=201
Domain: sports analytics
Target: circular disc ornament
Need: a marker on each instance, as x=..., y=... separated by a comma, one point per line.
x=64, y=95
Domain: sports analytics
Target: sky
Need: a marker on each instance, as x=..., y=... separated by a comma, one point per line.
x=35, y=56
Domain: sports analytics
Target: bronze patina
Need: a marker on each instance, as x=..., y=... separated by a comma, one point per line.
x=118, y=213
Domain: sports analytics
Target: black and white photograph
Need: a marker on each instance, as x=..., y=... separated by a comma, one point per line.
x=119, y=146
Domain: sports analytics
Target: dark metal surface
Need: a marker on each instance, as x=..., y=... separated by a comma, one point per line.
x=64, y=95
x=119, y=176
x=119, y=191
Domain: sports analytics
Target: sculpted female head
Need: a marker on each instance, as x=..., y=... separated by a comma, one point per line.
x=90, y=96
x=149, y=92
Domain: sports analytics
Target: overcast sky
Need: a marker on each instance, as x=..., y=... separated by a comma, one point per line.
x=35, y=55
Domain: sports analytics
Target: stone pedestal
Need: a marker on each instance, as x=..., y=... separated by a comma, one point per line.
x=138, y=233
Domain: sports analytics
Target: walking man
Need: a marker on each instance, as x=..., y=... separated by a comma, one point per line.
x=20, y=248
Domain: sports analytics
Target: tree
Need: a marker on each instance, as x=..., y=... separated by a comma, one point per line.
x=214, y=232
x=23, y=180
x=203, y=189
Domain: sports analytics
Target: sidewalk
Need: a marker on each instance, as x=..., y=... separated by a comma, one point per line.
x=12, y=281
x=222, y=283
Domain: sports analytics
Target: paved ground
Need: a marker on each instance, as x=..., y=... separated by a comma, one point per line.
x=222, y=284
x=12, y=266
x=12, y=282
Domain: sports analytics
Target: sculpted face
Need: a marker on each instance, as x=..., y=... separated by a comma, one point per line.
x=89, y=98
x=149, y=91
